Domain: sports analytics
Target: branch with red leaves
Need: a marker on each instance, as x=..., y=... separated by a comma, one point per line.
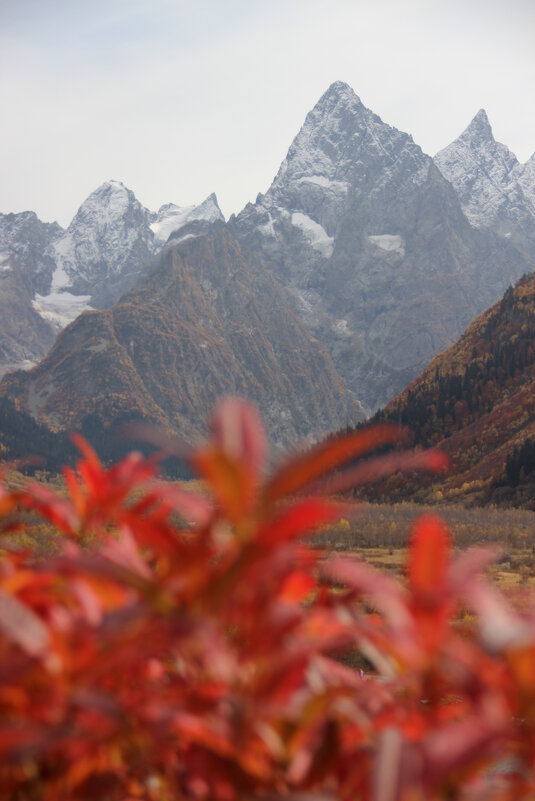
x=193, y=650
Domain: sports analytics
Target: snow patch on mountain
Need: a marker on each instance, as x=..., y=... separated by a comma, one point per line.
x=324, y=182
x=341, y=328
x=315, y=234
x=4, y=261
x=61, y=308
x=170, y=217
x=268, y=229
x=390, y=242
x=183, y=238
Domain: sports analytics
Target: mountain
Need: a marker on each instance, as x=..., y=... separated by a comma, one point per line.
x=48, y=275
x=25, y=269
x=373, y=245
x=496, y=191
x=210, y=320
x=171, y=218
x=109, y=244
x=476, y=402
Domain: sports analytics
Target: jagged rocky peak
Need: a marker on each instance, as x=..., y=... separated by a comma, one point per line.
x=485, y=175
x=342, y=153
x=104, y=248
x=477, y=147
x=171, y=217
x=371, y=241
x=479, y=127
x=338, y=139
x=108, y=203
x=23, y=242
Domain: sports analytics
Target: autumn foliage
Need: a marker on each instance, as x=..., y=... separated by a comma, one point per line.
x=195, y=645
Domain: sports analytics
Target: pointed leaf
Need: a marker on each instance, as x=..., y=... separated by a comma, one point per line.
x=301, y=470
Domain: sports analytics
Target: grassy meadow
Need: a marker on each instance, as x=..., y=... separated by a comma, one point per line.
x=378, y=533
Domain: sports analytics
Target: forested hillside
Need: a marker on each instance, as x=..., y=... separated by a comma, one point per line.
x=476, y=402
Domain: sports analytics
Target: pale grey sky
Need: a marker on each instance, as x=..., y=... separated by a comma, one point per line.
x=180, y=98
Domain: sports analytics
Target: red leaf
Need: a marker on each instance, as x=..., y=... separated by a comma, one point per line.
x=301, y=470
x=381, y=466
x=302, y=518
x=296, y=587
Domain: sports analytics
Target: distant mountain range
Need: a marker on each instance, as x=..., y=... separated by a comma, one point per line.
x=363, y=260
x=48, y=275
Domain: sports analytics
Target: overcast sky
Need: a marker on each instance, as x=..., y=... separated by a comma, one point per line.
x=180, y=98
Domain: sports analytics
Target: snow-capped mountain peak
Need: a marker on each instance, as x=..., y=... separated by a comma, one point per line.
x=111, y=240
x=171, y=218
x=485, y=175
x=479, y=126
x=342, y=153
x=109, y=202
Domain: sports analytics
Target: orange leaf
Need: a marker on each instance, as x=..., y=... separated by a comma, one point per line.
x=229, y=479
x=296, y=587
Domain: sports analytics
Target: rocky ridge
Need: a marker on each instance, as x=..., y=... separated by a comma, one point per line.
x=496, y=191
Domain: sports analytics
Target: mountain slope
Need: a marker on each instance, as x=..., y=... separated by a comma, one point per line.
x=476, y=402
x=372, y=243
x=208, y=321
x=495, y=190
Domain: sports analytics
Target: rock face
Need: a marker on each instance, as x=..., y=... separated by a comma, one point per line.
x=48, y=276
x=372, y=243
x=496, y=191
x=208, y=321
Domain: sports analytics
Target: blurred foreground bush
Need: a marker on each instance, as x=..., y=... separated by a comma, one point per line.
x=197, y=648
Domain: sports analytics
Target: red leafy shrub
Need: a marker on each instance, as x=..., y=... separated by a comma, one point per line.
x=192, y=649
